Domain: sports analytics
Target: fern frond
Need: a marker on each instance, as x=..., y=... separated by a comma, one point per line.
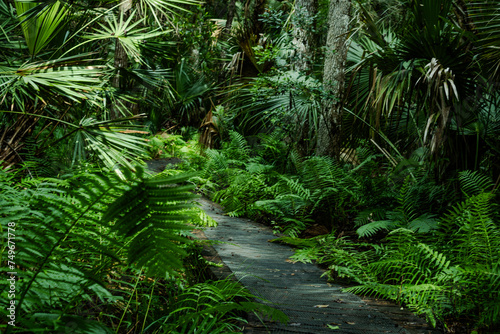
x=372, y=228
x=370, y=215
x=473, y=183
x=490, y=317
x=65, y=244
x=376, y=290
x=424, y=223
x=151, y=213
x=217, y=162
x=217, y=300
x=470, y=232
x=297, y=188
x=320, y=173
x=238, y=148
x=45, y=234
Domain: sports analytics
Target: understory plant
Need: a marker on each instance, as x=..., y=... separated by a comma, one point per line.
x=212, y=307
x=236, y=176
x=449, y=273
x=106, y=252
x=75, y=246
x=269, y=180
x=62, y=237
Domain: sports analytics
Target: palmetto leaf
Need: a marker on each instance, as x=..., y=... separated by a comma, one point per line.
x=160, y=8
x=110, y=140
x=128, y=32
x=8, y=23
x=39, y=29
x=72, y=78
x=486, y=18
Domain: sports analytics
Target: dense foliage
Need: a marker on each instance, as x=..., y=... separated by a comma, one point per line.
x=405, y=206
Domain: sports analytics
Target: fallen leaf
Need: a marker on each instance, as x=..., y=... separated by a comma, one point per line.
x=321, y=306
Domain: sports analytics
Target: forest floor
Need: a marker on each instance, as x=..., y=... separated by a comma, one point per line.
x=313, y=305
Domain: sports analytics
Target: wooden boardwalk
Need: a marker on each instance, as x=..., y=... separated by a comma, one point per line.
x=312, y=304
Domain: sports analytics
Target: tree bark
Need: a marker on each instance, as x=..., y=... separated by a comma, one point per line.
x=230, y=16
x=304, y=36
x=333, y=77
x=120, y=63
x=253, y=11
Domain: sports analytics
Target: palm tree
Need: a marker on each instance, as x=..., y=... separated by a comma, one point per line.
x=415, y=86
x=57, y=70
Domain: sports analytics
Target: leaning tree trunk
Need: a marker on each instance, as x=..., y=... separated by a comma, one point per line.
x=333, y=77
x=304, y=36
x=120, y=63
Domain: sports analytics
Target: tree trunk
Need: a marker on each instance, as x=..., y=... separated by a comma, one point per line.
x=120, y=62
x=333, y=78
x=253, y=12
x=304, y=36
x=230, y=16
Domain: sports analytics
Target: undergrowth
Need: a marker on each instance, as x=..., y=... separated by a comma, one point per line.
x=444, y=268
x=394, y=231
x=105, y=252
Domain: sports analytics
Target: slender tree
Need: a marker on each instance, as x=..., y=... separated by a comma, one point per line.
x=333, y=77
x=304, y=34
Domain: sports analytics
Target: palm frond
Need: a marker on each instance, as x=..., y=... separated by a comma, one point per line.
x=110, y=141
x=127, y=32
x=165, y=8
x=40, y=28
x=486, y=19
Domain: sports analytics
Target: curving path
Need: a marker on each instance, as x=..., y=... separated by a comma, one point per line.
x=312, y=304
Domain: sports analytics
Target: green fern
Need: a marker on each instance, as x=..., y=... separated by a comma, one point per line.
x=213, y=307
x=455, y=274
x=408, y=272
x=245, y=189
x=470, y=232
x=237, y=148
x=403, y=216
x=473, y=183
x=370, y=229
x=149, y=214
x=367, y=216
x=69, y=233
